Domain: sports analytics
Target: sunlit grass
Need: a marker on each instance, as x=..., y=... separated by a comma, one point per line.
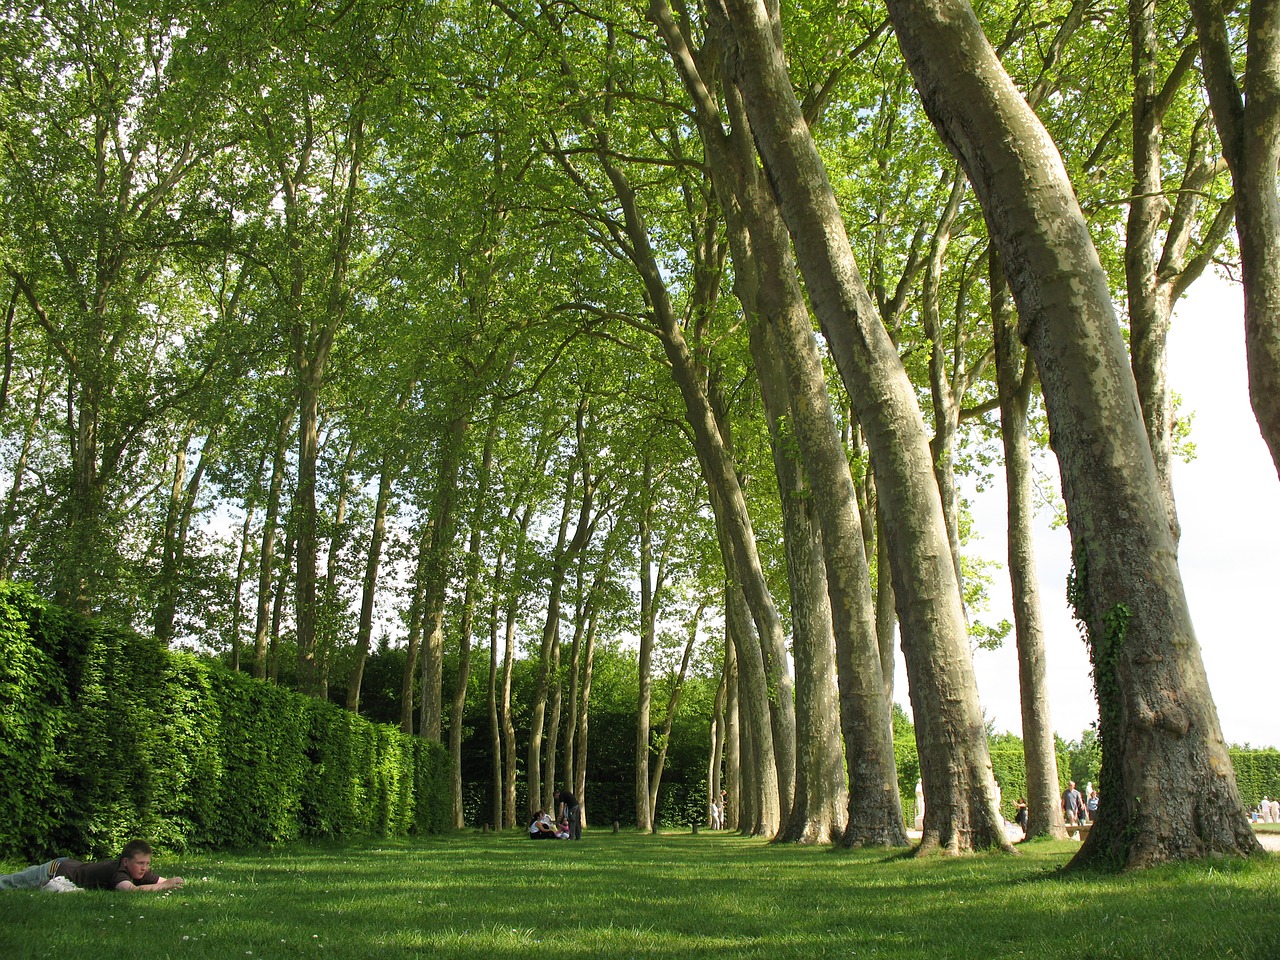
x=628, y=896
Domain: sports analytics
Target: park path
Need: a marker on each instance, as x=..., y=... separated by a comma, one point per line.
x=1270, y=841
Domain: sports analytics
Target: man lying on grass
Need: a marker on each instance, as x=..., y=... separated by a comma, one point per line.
x=130, y=871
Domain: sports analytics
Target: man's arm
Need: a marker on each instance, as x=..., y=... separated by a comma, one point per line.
x=162, y=883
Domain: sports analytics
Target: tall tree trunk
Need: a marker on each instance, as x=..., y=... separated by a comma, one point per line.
x=571, y=715
x=669, y=719
x=550, y=637
x=766, y=283
x=1250, y=133
x=443, y=534
x=1167, y=786
x=650, y=598
x=954, y=760
x=242, y=564
x=330, y=609
x=497, y=818
x=278, y=601
x=715, y=759
x=167, y=581
x=306, y=606
x=1156, y=273
x=584, y=709
x=820, y=805
x=313, y=338
x=266, y=556
x=417, y=603
x=472, y=588
x=549, y=785
x=373, y=560
x=540, y=792
x=945, y=395
x=732, y=789
x=737, y=535
x=759, y=811
x=589, y=611
x=1044, y=808
x=514, y=597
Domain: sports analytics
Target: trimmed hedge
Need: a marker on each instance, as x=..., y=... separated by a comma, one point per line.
x=106, y=735
x=1257, y=774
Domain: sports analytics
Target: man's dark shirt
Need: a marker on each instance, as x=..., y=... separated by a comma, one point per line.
x=102, y=874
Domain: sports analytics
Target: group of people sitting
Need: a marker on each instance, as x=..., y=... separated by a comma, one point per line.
x=566, y=826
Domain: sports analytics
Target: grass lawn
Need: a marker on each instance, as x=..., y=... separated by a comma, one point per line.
x=631, y=896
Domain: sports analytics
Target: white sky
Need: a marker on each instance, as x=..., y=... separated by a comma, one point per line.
x=1229, y=504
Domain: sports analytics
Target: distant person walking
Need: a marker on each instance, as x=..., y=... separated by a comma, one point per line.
x=1073, y=804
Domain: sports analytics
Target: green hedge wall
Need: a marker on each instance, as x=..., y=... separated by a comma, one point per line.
x=1257, y=774
x=106, y=735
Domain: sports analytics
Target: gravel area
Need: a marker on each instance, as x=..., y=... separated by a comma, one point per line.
x=1270, y=841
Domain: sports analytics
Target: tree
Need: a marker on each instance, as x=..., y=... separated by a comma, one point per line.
x=1249, y=128
x=955, y=764
x=1167, y=786
x=109, y=144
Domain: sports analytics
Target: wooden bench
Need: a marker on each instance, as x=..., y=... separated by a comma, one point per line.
x=1078, y=830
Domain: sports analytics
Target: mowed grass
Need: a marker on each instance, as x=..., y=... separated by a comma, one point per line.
x=629, y=896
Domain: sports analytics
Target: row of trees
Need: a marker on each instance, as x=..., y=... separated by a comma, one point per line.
x=444, y=320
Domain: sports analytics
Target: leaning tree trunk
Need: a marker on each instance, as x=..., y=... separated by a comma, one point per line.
x=954, y=761
x=1158, y=271
x=733, y=521
x=1167, y=786
x=766, y=283
x=1250, y=134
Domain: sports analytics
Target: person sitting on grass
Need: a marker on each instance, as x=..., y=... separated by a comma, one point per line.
x=131, y=871
x=541, y=827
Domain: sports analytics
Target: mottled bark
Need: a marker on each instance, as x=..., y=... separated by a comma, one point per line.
x=1167, y=786
x=1044, y=807
x=1157, y=269
x=820, y=805
x=955, y=764
x=1250, y=134
x=792, y=379
x=757, y=801
x=735, y=530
